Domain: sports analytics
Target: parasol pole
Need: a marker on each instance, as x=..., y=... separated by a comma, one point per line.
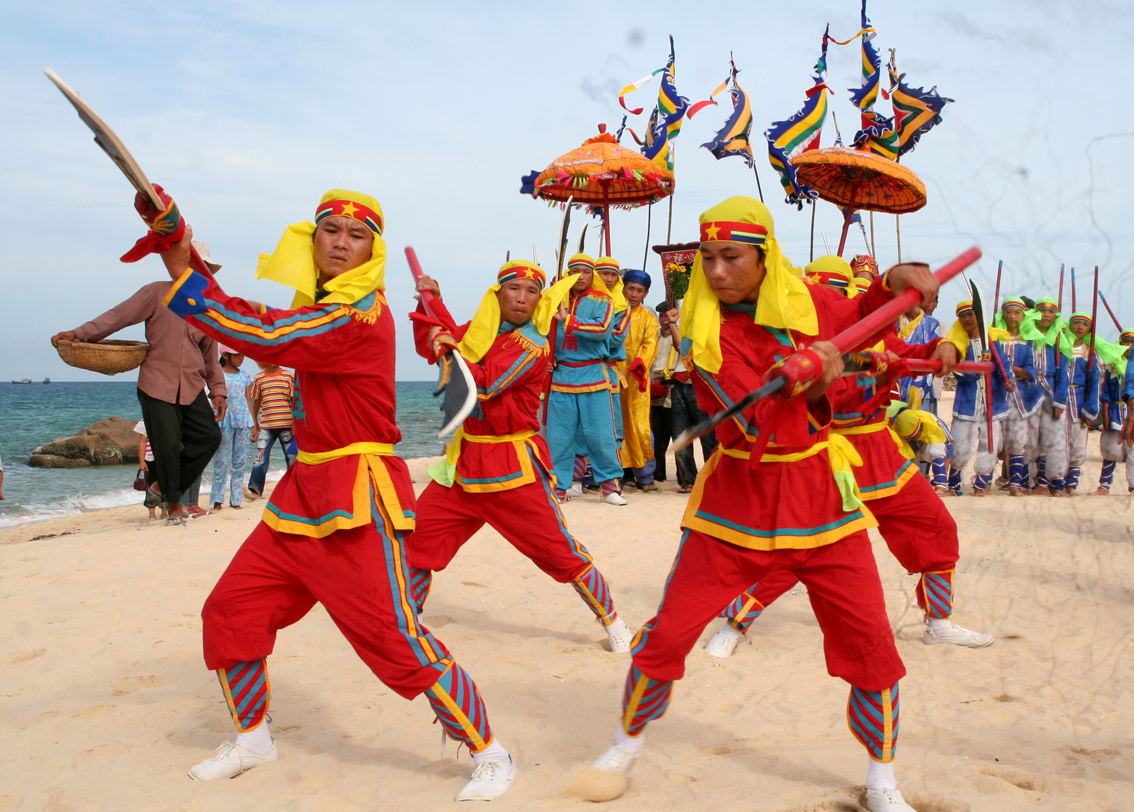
x=1113, y=317
x=996, y=295
x=872, y=243
x=646, y=250
x=606, y=214
x=898, y=228
x=812, y=232
x=1059, y=302
x=846, y=226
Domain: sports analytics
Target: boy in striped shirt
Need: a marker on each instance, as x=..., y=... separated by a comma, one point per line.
x=271, y=406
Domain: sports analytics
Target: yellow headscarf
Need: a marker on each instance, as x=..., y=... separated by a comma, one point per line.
x=485, y=325
x=293, y=261
x=958, y=336
x=784, y=301
x=834, y=272
x=620, y=303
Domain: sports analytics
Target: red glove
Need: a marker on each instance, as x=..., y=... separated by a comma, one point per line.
x=640, y=374
x=166, y=226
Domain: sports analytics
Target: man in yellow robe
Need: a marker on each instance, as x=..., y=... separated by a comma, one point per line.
x=641, y=346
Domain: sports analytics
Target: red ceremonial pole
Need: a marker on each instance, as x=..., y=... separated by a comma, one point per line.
x=1060, y=300
x=1094, y=315
x=1113, y=317
x=850, y=338
x=996, y=295
x=1074, y=307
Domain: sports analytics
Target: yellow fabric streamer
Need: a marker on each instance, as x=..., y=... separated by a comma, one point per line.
x=445, y=472
x=844, y=459
x=784, y=301
x=485, y=324
x=293, y=262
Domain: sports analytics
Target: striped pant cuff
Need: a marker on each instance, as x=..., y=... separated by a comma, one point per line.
x=247, y=692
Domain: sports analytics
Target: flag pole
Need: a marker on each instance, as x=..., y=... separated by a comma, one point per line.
x=757, y=174
x=669, y=225
x=898, y=229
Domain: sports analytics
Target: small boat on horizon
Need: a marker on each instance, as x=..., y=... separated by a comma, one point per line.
x=25, y=380
x=47, y=380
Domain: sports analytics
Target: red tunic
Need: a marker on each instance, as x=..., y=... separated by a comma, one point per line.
x=343, y=356
x=779, y=503
x=509, y=383
x=860, y=416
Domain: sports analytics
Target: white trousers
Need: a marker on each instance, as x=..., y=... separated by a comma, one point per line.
x=1076, y=445
x=1110, y=444
x=1017, y=428
x=1049, y=440
x=971, y=437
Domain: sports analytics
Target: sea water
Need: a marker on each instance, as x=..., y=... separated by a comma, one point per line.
x=35, y=414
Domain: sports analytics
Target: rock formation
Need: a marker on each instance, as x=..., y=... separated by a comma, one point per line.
x=107, y=442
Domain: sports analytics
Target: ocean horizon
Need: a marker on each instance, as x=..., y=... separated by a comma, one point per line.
x=34, y=414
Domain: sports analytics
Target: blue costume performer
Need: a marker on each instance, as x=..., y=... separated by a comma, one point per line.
x=1082, y=396
x=1025, y=400
x=580, y=416
x=1047, y=442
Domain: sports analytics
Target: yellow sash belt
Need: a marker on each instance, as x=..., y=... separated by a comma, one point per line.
x=445, y=472
x=871, y=428
x=368, y=466
x=841, y=454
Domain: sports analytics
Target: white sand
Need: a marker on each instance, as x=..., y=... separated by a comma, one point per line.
x=105, y=701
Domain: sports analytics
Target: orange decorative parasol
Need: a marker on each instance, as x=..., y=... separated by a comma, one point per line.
x=858, y=179
x=603, y=173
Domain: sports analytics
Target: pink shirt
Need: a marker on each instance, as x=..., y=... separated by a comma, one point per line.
x=181, y=360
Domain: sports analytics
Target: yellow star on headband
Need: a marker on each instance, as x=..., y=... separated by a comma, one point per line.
x=349, y=209
x=712, y=232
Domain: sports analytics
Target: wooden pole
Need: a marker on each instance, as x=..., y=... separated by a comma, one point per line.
x=898, y=229
x=606, y=214
x=669, y=225
x=996, y=295
x=757, y=174
x=813, y=207
x=873, y=245
x=646, y=250
x=846, y=226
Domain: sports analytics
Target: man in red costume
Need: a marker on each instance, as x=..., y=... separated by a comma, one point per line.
x=912, y=520
x=792, y=508
x=335, y=529
x=498, y=469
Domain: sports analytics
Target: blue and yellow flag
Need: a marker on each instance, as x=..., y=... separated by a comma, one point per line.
x=733, y=136
x=916, y=112
x=800, y=133
x=865, y=95
x=665, y=121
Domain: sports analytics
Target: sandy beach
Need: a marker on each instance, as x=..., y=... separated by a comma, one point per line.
x=106, y=701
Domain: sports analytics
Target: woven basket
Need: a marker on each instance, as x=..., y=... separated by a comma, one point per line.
x=107, y=357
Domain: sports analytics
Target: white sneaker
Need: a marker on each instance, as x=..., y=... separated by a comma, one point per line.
x=489, y=780
x=620, y=636
x=886, y=800
x=958, y=636
x=614, y=499
x=724, y=642
x=576, y=489
x=616, y=759
x=231, y=761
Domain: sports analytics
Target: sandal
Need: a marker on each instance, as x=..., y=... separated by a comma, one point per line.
x=685, y=489
x=177, y=521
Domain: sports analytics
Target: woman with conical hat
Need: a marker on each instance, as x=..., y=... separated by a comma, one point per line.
x=1025, y=400
x=1082, y=395
x=497, y=470
x=1047, y=444
x=335, y=529
x=794, y=508
x=912, y=520
x=580, y=418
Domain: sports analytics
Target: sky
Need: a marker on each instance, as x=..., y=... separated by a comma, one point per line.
x=246, y=112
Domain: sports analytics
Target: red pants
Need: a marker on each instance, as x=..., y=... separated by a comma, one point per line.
x=842, y=583
x=360, y=577
x=916, y=527
x=528, y=517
